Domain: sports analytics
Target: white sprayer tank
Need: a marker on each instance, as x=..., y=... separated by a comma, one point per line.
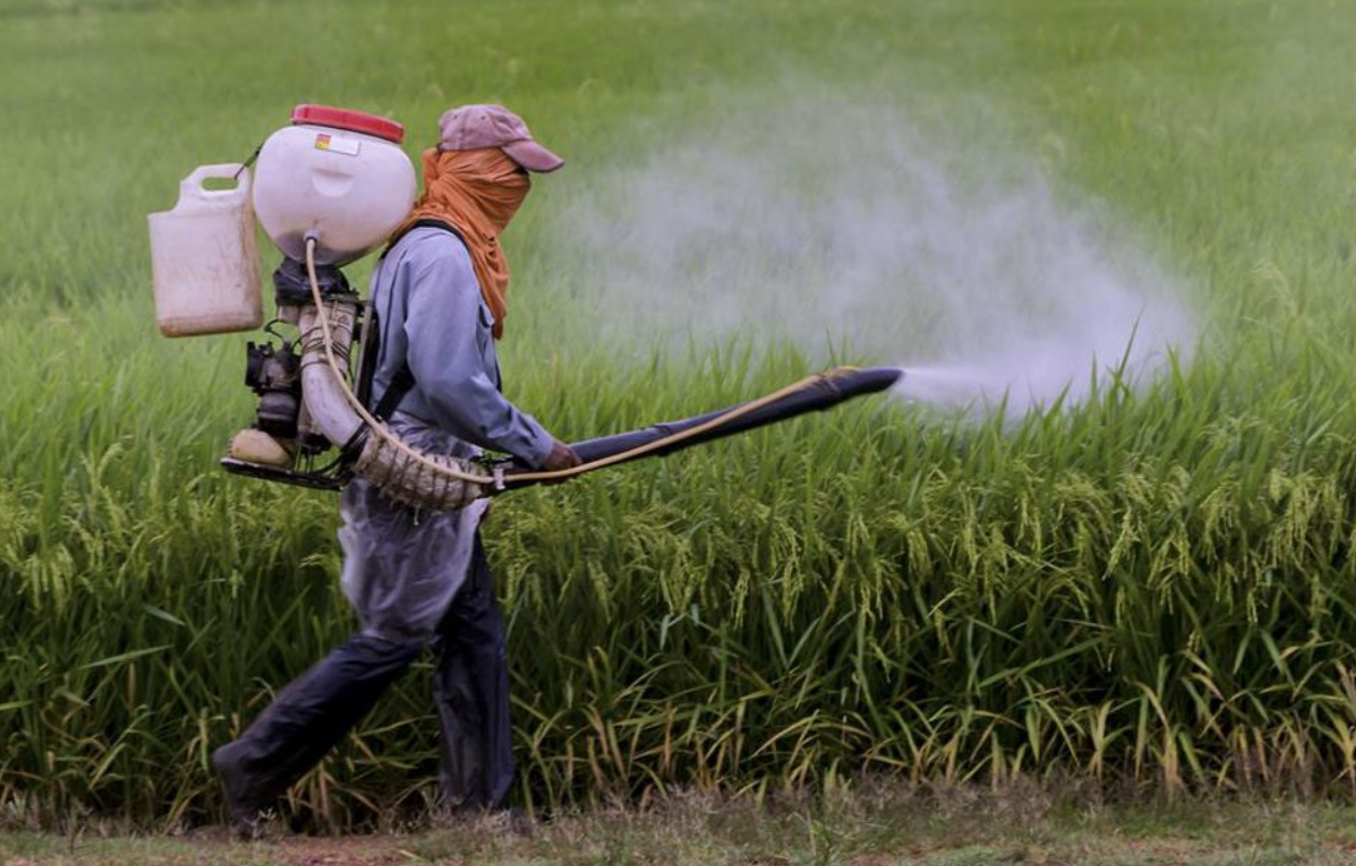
x=337, y=175
x=204, y=261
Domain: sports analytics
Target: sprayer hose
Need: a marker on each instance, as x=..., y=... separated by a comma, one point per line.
x=380, y=429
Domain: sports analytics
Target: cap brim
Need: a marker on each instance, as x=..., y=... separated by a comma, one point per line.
x=532, y=156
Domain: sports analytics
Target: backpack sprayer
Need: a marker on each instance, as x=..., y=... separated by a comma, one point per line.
x=327, y=190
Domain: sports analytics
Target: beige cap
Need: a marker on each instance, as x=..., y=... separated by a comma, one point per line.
x=471, y=127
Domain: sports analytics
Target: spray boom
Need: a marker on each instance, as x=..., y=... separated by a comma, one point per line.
x=816, y=394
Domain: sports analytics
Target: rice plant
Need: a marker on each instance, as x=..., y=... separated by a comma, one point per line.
x=1153, y=587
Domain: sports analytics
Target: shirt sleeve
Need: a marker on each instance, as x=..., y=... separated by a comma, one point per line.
x=442, y=320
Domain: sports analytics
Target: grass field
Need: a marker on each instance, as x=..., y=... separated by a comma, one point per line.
x=1153, y=589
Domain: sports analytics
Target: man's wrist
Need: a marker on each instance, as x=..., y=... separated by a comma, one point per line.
x=541, y=450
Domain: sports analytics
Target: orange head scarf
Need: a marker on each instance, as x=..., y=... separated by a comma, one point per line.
x=477, y=192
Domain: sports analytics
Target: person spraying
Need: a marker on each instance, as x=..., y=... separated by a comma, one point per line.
x=420, y=579
x=401, y=433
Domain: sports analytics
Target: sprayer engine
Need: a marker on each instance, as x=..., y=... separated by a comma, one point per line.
x=327, y=189
x=274, y=373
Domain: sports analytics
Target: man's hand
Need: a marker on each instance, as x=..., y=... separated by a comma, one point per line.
x=562, y=456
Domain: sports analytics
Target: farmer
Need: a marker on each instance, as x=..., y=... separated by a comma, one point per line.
x=420, y=579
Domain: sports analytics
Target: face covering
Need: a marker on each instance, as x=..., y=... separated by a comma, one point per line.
x=476, y=192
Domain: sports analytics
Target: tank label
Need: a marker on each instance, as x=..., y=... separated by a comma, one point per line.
x=337, y=144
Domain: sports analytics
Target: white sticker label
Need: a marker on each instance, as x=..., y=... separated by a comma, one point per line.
x=328, y=141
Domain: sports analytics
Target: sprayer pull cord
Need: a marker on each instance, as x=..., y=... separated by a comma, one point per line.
x=498, y=480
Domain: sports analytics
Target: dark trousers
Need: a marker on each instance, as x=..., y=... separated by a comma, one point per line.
x=470, y=687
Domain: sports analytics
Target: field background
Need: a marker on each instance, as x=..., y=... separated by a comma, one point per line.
x=1155, y=589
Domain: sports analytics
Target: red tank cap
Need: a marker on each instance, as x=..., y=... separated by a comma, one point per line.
x=353, y=121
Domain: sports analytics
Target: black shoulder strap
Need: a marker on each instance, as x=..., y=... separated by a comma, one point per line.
x=367, y=361
x=401, y=384
x=424, y=223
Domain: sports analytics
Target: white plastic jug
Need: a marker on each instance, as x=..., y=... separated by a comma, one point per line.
x=204, y=259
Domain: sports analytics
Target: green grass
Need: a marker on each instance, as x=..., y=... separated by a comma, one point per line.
x=875, y=826
x=1154, y=589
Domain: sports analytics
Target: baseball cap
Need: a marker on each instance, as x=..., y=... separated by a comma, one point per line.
x=470, y=127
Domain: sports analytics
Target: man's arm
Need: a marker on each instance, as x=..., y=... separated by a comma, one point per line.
x=442, y=315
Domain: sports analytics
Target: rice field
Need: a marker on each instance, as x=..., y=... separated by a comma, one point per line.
x=1152, y=588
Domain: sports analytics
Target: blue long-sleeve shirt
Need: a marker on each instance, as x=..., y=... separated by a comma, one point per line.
x=432, y=316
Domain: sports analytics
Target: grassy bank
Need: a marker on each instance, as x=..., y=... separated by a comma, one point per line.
x=875, y=828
